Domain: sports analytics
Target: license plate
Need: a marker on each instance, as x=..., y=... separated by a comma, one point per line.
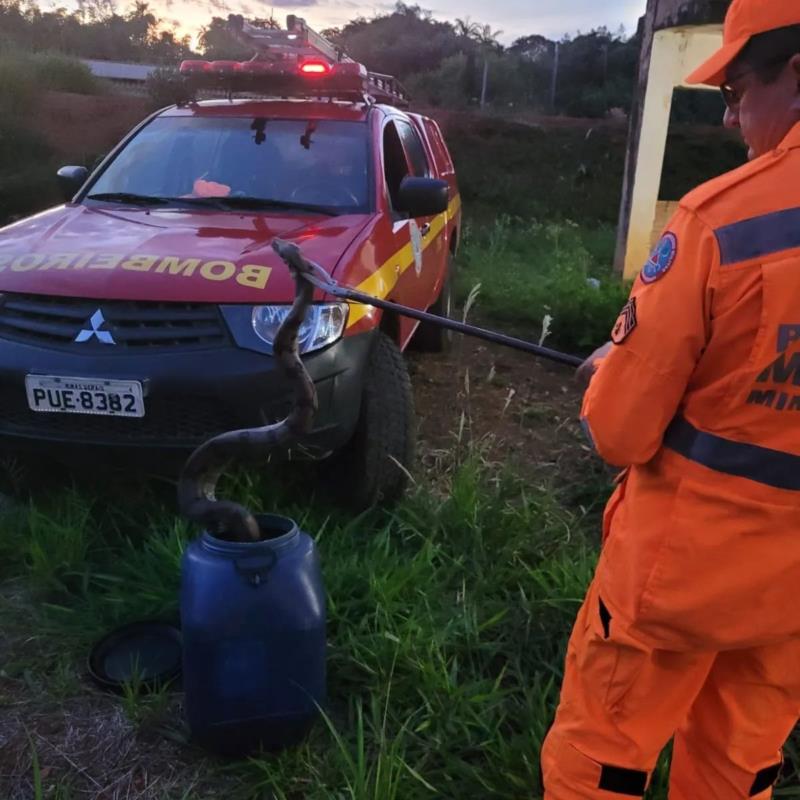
x=57, y=394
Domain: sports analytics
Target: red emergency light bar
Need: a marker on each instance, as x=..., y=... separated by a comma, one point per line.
x=296, y=62
x=347, y=80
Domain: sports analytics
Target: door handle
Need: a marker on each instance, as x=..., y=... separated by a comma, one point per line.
x=425, y=229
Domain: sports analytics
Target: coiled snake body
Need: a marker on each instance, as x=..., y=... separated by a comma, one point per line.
x=198, y=481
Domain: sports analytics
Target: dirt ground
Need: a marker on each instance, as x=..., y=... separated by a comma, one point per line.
x=517, y=409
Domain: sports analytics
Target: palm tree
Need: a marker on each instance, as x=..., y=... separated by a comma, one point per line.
x=488, y=38
x=466, y=28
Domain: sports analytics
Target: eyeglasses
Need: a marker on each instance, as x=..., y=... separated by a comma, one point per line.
x=733, y=96
x=730, y=96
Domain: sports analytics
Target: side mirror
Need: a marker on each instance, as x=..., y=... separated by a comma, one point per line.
x=70, y=179
x=423, y=197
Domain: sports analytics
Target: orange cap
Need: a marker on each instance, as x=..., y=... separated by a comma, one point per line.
x=745, y=19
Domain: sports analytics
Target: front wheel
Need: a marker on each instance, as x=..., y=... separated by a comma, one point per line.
x=373, y=466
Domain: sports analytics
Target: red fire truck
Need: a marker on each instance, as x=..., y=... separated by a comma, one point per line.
x=141, y=313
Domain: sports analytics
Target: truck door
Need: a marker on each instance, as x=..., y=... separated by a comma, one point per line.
x=432, y=236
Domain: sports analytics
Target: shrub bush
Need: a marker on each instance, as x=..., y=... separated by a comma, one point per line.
x=24, y=76
x=18, y=87
x=528, y=271
x=166, y=87
x=27, y=173
x=60, y=73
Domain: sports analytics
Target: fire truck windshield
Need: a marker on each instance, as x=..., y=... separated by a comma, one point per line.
x=320, y=164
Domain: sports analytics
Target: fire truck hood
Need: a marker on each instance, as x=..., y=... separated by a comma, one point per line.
x=165, y=255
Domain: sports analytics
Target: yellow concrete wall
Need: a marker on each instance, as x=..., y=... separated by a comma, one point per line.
x=676, y=53
x=664, y=211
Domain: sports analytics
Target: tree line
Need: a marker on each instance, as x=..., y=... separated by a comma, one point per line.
x=450, y=64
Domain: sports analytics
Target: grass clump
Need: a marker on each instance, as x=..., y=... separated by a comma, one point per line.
x=550, y=280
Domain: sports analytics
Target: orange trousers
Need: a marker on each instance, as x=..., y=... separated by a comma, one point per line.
x=621, y=702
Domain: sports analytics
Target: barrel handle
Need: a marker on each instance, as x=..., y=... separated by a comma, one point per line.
x=255, y=570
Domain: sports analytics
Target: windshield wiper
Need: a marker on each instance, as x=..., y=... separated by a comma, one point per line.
x=129, y=197
x=253, y=204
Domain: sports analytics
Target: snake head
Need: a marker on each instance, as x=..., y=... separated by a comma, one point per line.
x=291, y=254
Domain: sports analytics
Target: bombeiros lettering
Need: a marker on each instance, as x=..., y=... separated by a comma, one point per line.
x=252, y=276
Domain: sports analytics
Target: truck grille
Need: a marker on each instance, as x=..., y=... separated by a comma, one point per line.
x=56, y=321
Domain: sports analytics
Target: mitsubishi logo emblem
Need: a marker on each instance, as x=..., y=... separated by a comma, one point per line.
x=95, y=322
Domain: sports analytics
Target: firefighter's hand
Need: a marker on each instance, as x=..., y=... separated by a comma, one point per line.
x=585, y=371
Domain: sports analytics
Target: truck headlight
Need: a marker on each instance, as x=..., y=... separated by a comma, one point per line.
x=323, y=325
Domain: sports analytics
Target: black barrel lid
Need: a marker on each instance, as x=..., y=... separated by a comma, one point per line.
x=147, y=653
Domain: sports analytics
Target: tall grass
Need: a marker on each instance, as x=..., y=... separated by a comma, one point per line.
x=447, y=620
x=529, y=270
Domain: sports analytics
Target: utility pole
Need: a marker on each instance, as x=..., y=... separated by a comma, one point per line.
x=554, y=83
x=485, y=78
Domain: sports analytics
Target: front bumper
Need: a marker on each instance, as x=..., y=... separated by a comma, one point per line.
x=189, y=396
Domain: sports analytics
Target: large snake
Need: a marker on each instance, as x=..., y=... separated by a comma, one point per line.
x=198, y=481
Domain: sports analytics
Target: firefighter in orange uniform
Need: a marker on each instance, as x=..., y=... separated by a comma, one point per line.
x=691, y=627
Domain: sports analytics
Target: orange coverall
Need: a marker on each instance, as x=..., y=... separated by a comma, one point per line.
x=691, y=626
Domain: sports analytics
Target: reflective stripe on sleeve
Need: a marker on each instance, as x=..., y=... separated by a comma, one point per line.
x=759, y=236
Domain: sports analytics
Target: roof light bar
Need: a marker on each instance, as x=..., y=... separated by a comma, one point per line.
x=296, y=62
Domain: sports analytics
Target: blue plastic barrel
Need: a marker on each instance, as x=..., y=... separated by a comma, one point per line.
x=253, y=625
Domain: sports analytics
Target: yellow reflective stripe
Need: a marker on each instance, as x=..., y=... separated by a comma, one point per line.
x=385, y=278
x=437, y=226
x=382, y=281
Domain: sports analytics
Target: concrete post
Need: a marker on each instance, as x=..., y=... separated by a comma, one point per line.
x=676, y=36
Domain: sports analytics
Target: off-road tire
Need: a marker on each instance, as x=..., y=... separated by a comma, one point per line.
x=430, y=338
x=365, y=472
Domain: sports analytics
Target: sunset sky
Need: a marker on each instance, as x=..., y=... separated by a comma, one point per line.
x=552, y=18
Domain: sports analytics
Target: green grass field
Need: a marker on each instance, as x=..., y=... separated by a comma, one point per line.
x=529, y=269
x=447, y=620
x=448, y=615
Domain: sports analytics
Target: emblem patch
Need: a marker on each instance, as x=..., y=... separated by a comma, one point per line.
x=626, y=322
x=661, y=259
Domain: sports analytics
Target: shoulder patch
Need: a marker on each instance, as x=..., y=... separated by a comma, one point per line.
x=626, y=322
x=661, y=259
